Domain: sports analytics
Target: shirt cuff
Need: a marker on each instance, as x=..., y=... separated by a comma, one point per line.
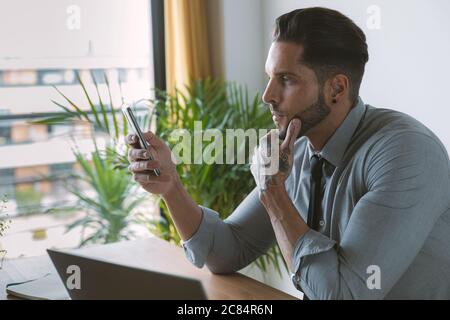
x=198, y=246
x=312, y=242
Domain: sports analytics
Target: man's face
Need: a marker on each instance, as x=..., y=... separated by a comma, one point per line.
x=293, y=90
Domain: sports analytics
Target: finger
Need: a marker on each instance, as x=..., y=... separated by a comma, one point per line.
x=133, y=141
x=153, y=139
x=142, y=166
x=149, y=178
x=292, y=132
x=138, y=154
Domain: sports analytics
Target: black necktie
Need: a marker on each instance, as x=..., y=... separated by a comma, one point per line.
x=315, y=196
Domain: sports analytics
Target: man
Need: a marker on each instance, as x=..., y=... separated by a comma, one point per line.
x=361, y=204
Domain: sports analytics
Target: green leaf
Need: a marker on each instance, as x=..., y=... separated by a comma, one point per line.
x=78, y=110
x=111, y=105
x=60, y=119
x=102, y=106
x=91, y=104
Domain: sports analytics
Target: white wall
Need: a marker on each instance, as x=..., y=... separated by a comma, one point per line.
x=236, y=40
x=409, y=65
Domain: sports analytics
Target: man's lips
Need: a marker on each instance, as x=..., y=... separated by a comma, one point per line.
x=276, y=117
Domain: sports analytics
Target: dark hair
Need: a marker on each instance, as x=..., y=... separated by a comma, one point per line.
x=332, y=43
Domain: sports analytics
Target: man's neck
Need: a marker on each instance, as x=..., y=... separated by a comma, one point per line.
x=320, y=134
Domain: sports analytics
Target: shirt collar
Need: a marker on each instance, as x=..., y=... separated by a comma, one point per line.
x=334, y=149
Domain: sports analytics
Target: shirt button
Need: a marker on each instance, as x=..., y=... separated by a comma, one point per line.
x=321, y=223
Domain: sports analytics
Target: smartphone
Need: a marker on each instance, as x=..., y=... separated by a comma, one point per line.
x=132, y=121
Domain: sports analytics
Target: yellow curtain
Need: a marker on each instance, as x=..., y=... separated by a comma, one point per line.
x=187, y=48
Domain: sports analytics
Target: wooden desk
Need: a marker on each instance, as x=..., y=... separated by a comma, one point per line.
x=153, y=254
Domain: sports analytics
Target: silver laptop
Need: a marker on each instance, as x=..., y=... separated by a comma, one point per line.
x=87, y=278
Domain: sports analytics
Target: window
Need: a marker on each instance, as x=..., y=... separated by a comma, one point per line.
x=47, y=47
x=5, y=132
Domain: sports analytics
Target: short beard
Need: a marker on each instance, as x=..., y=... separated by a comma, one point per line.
x=311, y=117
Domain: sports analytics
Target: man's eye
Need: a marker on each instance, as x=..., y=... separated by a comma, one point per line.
x=285, y=78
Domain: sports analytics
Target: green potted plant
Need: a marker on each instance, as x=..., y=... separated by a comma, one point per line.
x=109, y=212
x=108, y=194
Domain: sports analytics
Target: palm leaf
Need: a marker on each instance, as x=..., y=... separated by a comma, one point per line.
x=91, y=104
x=78, y=110
x=102, y=106
x=113, y=112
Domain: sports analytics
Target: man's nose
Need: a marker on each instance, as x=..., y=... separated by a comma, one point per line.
x=269, y=96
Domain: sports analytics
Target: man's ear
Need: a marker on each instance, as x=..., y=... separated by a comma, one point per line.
x=337, y=89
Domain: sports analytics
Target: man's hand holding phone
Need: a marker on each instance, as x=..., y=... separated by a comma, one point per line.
x=143, y=167
x=153, y=168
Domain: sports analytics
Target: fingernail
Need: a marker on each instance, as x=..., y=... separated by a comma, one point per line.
x=296, y=122
x=145, y=154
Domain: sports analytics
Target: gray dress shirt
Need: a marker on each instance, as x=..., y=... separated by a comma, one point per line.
x=385, y=228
